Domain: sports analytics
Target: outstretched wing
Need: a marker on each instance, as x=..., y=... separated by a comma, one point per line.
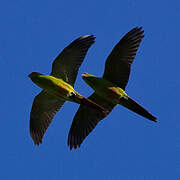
x=118, y=63
x=67, y=64
x=85, y=120
x=43, y=110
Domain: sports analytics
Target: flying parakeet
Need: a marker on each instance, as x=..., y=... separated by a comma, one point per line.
x=58, y=87
x=110, y=89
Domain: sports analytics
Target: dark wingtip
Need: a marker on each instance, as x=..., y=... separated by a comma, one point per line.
x=88, y=39
x=36, y=136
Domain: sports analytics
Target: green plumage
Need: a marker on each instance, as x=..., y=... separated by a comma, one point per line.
x=114, y=95
x=54, y=86
x=110, y=89
x=58, y=87
x=104, y=88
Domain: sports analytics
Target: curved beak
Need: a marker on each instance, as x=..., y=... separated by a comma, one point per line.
x=84, y=74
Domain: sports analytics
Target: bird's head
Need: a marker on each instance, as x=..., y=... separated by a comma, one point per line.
x=89, y=79
x=33, y=74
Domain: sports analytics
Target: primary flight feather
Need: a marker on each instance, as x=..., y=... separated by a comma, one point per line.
x=58, y=87
x=110, y=89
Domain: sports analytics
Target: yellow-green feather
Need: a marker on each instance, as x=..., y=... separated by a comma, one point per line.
x=105, y=89
x=54, y=86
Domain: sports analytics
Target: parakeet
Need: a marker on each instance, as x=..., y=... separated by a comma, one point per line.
x=58, y=87
x=110, y=89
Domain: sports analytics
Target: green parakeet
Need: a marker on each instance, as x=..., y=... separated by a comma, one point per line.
x=110, y=89
x=58, y=87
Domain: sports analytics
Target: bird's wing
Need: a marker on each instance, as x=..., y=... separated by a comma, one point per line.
x=43, y=110
x=67, y=63
x=85, y=120
x=118, y=63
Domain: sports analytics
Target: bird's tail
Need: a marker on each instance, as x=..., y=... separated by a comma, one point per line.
x=91, y=104
x=135, y=107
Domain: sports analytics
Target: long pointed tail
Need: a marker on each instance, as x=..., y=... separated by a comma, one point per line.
x=135, y=107
x=91, y=104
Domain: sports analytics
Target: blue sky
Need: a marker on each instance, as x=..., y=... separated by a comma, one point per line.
x=124, y=145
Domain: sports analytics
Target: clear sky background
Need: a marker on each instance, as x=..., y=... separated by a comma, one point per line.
x=124, y=145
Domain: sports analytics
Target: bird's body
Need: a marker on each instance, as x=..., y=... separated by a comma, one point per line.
x=105, y=89
x=54, y=86
x=58, y=87
x=109, y=90
x=61, y=90
x=114, y=95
